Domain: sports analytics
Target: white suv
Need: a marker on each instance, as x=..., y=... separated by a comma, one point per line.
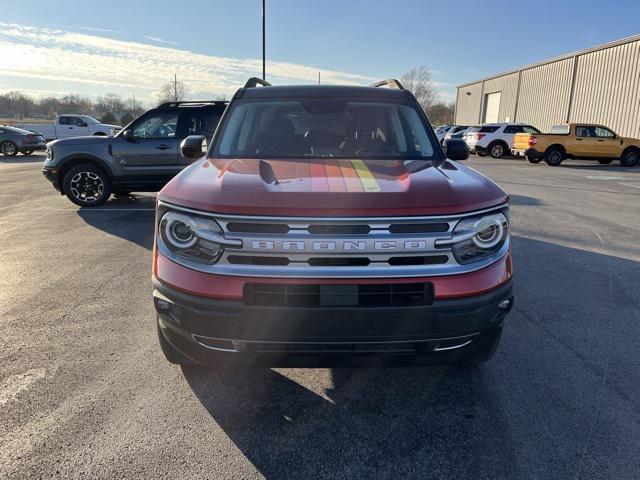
x=495, y=139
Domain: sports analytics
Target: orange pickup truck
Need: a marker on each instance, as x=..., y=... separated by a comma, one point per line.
x=577, y=140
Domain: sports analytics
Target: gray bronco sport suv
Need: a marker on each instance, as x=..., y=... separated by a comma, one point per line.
x=143, y=157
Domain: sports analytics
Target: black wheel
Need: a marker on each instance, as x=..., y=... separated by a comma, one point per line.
x=481, y=154
x=8, y=149
x=27, y=152
x=488, y=351
x=497, y=149
x=605, y=161
x=554, y=157
x=170, y=353
x=534, y=159
x=630, y=158
x=87, y=185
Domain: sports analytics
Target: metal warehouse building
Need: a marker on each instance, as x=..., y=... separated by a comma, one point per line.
x=597, y=85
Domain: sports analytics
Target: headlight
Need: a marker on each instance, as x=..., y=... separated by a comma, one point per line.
x=476, y=238
x=193, y=237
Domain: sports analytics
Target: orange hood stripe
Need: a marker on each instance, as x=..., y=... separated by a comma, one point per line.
x=351, y=178
x=334, y=175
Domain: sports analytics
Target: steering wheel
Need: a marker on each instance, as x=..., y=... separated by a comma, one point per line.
x=382, y=150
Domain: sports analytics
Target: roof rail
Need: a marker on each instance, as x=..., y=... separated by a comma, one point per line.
x=191, y=102
x=391, y=82
x=255, y=81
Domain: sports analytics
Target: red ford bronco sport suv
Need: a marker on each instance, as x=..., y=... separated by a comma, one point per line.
x=327, y=226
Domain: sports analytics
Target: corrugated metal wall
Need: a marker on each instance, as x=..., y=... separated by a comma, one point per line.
x=508, y=85
x=544, y=94
x=468, y=106
x=607, y=89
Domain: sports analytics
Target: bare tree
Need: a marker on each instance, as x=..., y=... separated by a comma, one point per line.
x=133, y=108
x=172, y=92
x=110, y=103
x=418, y=81
x=441, y=113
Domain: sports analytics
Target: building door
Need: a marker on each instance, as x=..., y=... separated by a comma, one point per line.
x=491, y=107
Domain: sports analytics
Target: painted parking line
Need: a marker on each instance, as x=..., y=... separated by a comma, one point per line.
x=606, y=177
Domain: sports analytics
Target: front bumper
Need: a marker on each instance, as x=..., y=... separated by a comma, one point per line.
x=211, y=330
x=51, y=174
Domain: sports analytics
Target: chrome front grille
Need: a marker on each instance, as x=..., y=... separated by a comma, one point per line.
x=365, y=247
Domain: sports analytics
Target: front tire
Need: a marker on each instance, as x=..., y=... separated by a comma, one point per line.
x=534, y=159
x=9, y=149
x=554, y=157
x=630, y=158
x=497, y=150
x=605, y=161
x=87, y=185
x=27, y=152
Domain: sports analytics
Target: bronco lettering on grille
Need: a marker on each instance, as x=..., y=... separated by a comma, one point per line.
x=338, y=246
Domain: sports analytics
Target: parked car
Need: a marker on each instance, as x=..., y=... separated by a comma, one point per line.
x=142, y=157
x=457, y=131
x=495, y=139
x=14, y=140
x=325, y=224
x=441, y=131
x=71, y=126
x=578, y=140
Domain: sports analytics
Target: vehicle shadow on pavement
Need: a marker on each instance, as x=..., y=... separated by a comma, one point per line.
x=388, y=422
x=131, y=218
x=557, y=399
x=590, y=165
x=525, y=200
x=20, y=159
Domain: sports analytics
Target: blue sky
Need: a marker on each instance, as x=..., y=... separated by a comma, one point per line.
x=133, y=46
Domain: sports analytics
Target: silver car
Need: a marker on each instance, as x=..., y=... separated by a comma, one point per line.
x=14, y=140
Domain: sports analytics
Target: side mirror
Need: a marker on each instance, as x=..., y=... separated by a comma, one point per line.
x=456, y=149
x=194, y=146
x=128, y=135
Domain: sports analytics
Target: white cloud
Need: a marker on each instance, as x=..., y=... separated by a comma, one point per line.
x=100, y=30
x=160, y=40
x=99, y=64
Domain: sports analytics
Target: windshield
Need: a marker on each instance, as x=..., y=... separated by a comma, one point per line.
x=324, y=128
x=89, y=119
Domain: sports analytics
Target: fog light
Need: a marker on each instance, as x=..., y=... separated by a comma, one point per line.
x=504, y=305
x=163, y=305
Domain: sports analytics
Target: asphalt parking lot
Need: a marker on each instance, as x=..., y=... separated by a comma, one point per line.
x=85, y=391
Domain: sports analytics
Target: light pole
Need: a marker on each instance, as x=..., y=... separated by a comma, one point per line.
x=264, y=67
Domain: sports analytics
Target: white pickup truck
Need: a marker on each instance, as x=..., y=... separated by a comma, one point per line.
x=70, y=125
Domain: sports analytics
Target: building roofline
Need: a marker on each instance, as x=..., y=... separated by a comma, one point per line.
x=604, y=46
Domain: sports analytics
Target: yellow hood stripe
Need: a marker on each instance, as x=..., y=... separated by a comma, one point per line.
x=369, y=182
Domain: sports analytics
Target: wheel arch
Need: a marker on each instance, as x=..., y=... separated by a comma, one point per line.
x=556, y=146
x=630, y=148
x=75, y=160
x=499, y=140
